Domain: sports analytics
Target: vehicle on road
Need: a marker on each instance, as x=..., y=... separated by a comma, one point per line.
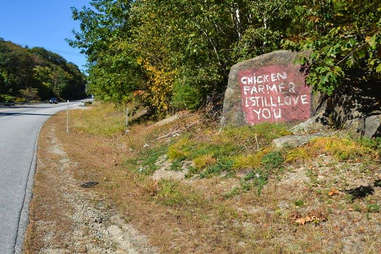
x=53, y=100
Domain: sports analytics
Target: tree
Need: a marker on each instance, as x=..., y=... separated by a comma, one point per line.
x=345, y=40
x=177, y=54
x=113, y=71
x=29, y=93
x=24, y=71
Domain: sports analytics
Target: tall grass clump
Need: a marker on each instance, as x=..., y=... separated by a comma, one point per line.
x=233, y=148
x=259, y=176
x=101, y=119
x=341, y=149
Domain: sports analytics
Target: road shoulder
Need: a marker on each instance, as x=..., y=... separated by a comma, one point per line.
x=67, y=218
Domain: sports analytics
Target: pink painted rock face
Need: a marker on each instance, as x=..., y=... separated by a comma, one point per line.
x=274, y=93
x=267, y=88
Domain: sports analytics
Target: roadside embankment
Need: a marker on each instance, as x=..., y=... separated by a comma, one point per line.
x=190, y=187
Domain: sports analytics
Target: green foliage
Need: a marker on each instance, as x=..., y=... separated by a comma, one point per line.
x=176, y=165
x=186, y=96
x=373, y=208
x=148, y=159
x=32, y=74
x=29, y=93
x=113, y=69
x=299, y=203
x=177, y=54
x=230, y=150
x=344, y=39
x=272, y=160
x=372, y=143
x=222, y=165
x=7, y=98
x=233, y=149
x=180, y=150
x=258, y=177
x=170, y=193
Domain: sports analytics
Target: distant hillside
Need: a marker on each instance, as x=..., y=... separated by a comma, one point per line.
x=37, y=74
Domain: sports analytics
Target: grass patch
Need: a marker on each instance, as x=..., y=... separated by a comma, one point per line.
x=222, y=165
x=372, y=143
x=253, y=160
x=226, y=215
x=204, y=161
x=296, y=154
x=145, y=162
x=232, y=149
x=373, y=208
x=342, y=149
x=254, y=137
x=176, y=165
x=171, y=193
x=103, y=119
x=258, y=178
x=299, y=203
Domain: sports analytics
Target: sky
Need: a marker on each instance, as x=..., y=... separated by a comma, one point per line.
x=42, y=23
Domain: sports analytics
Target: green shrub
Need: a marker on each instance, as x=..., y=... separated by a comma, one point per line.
x=204, y=160
x=272, y=160
x=170, y=193
x=373, y=208
x=256, y=178
x=222, y=165
x=7, y=98
x=147, y=159
x=186, y=96
x=180, y=150
x=256, y=136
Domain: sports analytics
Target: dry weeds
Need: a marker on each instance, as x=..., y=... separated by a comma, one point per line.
x=209, y=215
x=65, y=218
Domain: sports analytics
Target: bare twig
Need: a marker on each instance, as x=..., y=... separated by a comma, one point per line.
x=351, y=53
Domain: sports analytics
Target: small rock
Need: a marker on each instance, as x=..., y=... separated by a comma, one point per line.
x=89, y=184
x=309, y=125
x=98, y=220
x=372, y=126
x=360, y=192
x=293, y=141
x=167, y=120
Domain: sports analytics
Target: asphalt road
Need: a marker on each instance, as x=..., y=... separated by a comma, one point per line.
x=19, y=129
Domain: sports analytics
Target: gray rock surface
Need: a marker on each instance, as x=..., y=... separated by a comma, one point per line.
x=372, y=126
x=293, y=141
x=355, y=108
x=312, y=124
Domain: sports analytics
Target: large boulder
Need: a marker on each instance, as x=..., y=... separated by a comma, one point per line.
x=268, y=88
x=271, y=88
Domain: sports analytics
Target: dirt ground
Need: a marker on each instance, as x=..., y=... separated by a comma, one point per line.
x=304, y=208
x=68, y=218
